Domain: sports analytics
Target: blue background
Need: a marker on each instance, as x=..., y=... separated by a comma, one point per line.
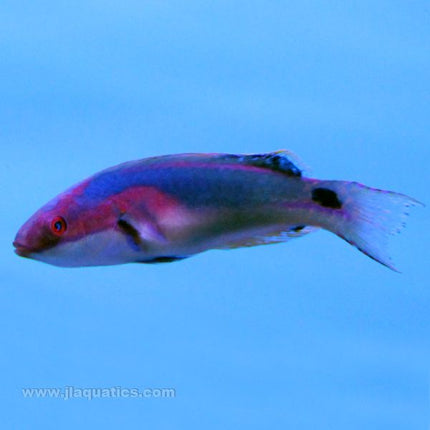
x=310, y=334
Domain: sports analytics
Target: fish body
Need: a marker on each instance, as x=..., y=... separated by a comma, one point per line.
x=171, y=207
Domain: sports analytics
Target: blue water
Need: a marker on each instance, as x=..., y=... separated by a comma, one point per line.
x=306, y=335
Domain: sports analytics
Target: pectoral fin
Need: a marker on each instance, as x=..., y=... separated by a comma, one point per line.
x=141, y=233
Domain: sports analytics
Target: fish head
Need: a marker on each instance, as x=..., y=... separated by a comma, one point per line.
x=41, y=232
x=67, y=232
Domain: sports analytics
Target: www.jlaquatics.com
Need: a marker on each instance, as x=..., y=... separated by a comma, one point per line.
x=90, y=393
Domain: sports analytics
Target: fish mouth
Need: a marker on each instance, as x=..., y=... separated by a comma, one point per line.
x=22, y=250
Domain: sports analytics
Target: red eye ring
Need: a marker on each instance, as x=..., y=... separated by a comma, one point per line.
x=58, y=225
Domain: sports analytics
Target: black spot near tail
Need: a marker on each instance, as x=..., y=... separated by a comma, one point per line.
x=326, y=198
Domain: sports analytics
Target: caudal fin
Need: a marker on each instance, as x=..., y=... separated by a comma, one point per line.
x=368, y=217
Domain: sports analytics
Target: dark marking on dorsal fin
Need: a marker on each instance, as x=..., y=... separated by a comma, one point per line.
x=276, y=161
x=326, y=198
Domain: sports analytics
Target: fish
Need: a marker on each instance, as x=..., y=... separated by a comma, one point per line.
x=167, y=208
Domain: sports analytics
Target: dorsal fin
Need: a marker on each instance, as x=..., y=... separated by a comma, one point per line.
x=278, y=161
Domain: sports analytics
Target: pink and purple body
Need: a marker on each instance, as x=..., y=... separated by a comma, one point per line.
x=166, y=208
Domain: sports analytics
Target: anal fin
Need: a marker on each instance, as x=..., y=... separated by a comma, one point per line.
x=277, y=236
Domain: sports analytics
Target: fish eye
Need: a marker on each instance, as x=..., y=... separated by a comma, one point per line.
x=58, y=225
